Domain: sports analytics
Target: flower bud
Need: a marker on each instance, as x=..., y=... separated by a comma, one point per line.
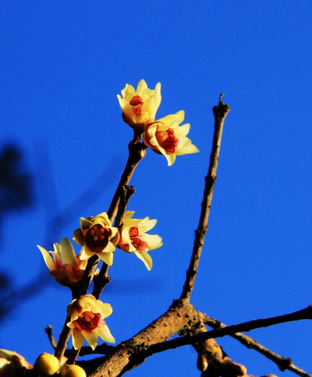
x=46, y=365
x=73, y=371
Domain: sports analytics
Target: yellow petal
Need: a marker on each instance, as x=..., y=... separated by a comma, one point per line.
x=172, y=118
x=105, y=334
x=68, y=255
x=78, y=237
x=170, y=158
x=141, y=86
x=106, y=309
x=47, y=258
x=78, y=339
x=145, y=258
x=128, y=92
x=107, y=257
x=91, y=338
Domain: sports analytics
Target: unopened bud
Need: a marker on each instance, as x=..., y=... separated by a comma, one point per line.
x=202, y=363
x=73, y=371
x=46, y=365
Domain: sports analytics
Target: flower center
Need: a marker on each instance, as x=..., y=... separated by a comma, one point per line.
x=136, y=104
x=136, y=241
x=133, y=232
x=139, y=244
x=136, y=100
x=97, y=238
x=167, y=140
x=88, y=321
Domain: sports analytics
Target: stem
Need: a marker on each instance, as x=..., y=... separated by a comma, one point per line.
x=220, y=112
x=137, y=151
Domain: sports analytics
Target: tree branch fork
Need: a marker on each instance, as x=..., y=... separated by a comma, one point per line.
x=181, y=318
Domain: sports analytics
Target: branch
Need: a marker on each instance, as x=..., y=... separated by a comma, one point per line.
x=282, y=362
x=234, y=329
x=127, y=353
x=137, y=151
x=220, y=112
x=180, y=316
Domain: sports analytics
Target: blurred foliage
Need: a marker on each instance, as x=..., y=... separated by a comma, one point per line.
x=15, y=184
x=16, y=193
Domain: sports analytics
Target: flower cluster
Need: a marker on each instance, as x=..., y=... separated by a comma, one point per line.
x=97, y=236
x=164, y=136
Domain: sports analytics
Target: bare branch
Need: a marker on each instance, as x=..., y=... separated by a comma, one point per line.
x=220, y=112
x=180, y=317
x=282, y=362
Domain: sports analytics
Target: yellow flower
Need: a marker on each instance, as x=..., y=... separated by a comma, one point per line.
x=165, y=136
x=139, y=106
x=12, y=364
x=134, y=239
x=65, y=266
x=87, y=321
x=97, y=236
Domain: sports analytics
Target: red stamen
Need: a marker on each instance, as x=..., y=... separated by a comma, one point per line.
x=136, y=100
x=167, y=140
x=97, y=238
x=133, y=232
x=136, y=104
x=88, y=321
x=139, y=244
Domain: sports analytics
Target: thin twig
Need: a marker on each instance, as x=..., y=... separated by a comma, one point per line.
x=220, y=112
x=282, y=362
x=48, y=331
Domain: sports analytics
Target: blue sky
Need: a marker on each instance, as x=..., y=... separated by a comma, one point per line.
x=62, y=65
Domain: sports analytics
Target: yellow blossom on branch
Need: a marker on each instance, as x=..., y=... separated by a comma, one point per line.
x=64, y=265
x=134, y=239
x=12, y=364
x=97, y=236
x=165, y=136
x=87, y=321
x=139, y=106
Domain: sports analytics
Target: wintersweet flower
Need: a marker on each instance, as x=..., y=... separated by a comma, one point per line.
x=139, y=106
x=12, y=364
x=87, y=321
x=134, y=239
x=64, y=265
x=97, y=236
x=165, y=136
